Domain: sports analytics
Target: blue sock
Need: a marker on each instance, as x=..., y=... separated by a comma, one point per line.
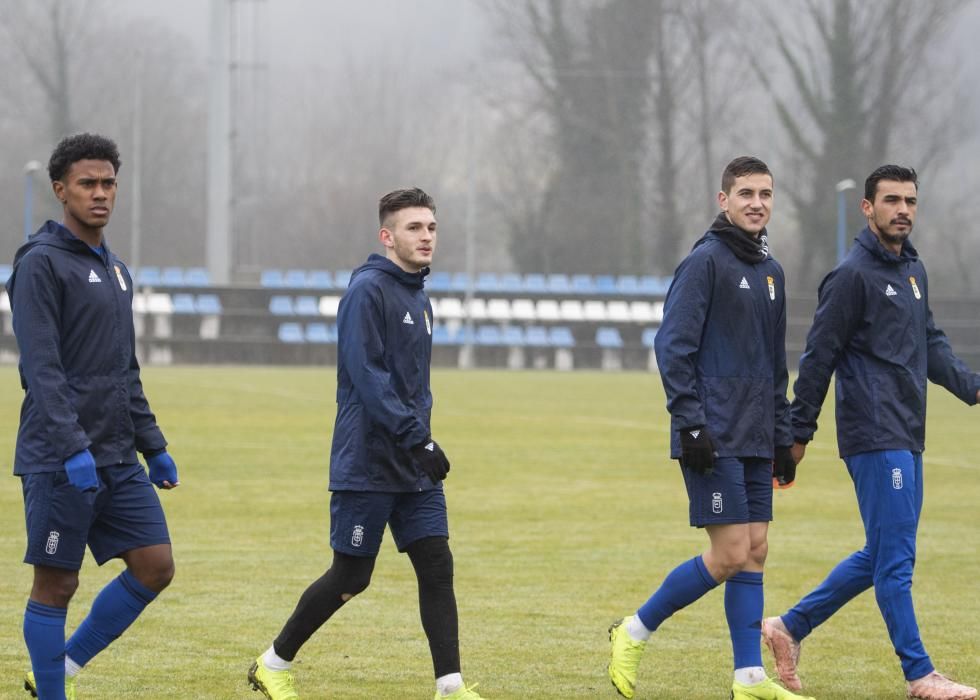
x=743, y=608
x=683, y=586
x=113, y=610
x=44, y=632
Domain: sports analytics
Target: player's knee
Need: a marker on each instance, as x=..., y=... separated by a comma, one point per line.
x=157, y=575
x=54, y=587
x=758, y=553
x=353, y=574
x=433, y=560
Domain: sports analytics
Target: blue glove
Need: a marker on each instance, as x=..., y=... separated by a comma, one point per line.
x=81, y=471
x=162, y=468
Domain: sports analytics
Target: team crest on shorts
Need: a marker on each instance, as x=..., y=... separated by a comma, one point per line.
x=897, y=479
x=716, y=503
x=357, y=539
x=119, y=276
x=52, y=546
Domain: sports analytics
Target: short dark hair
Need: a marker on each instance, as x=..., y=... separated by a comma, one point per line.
x=78, y=147
x=403, y=199
x=743, y=165
x=897, y=173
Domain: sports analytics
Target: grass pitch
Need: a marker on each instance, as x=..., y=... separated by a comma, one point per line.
x=565, y=515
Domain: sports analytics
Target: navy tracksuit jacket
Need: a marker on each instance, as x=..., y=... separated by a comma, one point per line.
x=384, y=403
x=721, y=351
x=73, y=318
x=874, y=327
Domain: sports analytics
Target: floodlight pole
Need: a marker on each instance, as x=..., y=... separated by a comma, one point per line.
x=30, y=167
x=841, y=188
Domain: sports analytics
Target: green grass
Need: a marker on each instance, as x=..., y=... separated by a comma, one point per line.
x=565, y=515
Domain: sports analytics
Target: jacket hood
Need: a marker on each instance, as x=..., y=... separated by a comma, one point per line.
x=383, y=264
x=53, y=234
x=869, y=241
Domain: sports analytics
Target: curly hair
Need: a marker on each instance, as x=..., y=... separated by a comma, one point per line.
x=78, y=147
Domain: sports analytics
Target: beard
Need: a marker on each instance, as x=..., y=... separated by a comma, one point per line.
x=890, y=235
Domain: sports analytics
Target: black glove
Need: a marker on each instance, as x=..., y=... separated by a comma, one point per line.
x=431, y=460
x=697, y=450
x=783, y=469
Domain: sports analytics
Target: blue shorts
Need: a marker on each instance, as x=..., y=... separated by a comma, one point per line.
x=739, y=490
x=124, y=513
x=358, y=519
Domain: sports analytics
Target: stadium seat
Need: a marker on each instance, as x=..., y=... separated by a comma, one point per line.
x=522, y=310
x=329, y=305
x=594, y=310
x=619, y=311
x=341, y=278
x=628, y=284
x=465, y=336
x=306, y=306
x=536, y=337
x=498, y=309
x=294, y=279
x=291, y=333
x=272, y=279
x=608, y=337
x=489, y=335
x=648, y=337
x=450, y=308
x=511, y=283
x=197, y=277
x=5, y=271
x=320, y=333
x=642, y=312
x=571, y=310
x=159, y=303
x=583, y=284
x=561, y=337
x=184, y=304
x=606, y=284
x=172, y=277
x=559, y=284
x=477, y=309
x=548, y=310
x=654, y=286
x=281, y=306
x=460, y=282
x=513, y=336
x=319, y=279
x=441, y=335
x=439, y=281
x=208, y=304
x=535, y=283
x=487, y=282
x=5, y=301
x=148, y=277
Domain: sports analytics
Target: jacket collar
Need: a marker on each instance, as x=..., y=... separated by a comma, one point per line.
x=379, y=262
x=869, y=241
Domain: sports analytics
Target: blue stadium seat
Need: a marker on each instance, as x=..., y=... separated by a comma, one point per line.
x=559, y=284
x=172, y=277
x=606, y=284
x=441, y=335
x=513, y=336
x=654, y=286
x=148, y=277
x=208, y=304
x=489, y=335
x=291, y=333
x=306, y=306
x=536, y=337
x=460, y=282
x=561, y=337
x=341, y=278
x=628, y=284
x=535, y=283
x=487, y=282
x=197, y=277
x=295, y=279
x=320, y=333
x=319, y=279
x=511, y=283
x=649, y=334
x=608, y=337
x=184, y=304
x=465, y=336
x=5, y=271
x=583, y=284
x=281, y=306
x=439, y=281
x=272, y=278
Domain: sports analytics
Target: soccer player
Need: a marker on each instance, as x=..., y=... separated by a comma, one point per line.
x=385, y=468
x=83, y=420
x=874, y=327
x=722, y=358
